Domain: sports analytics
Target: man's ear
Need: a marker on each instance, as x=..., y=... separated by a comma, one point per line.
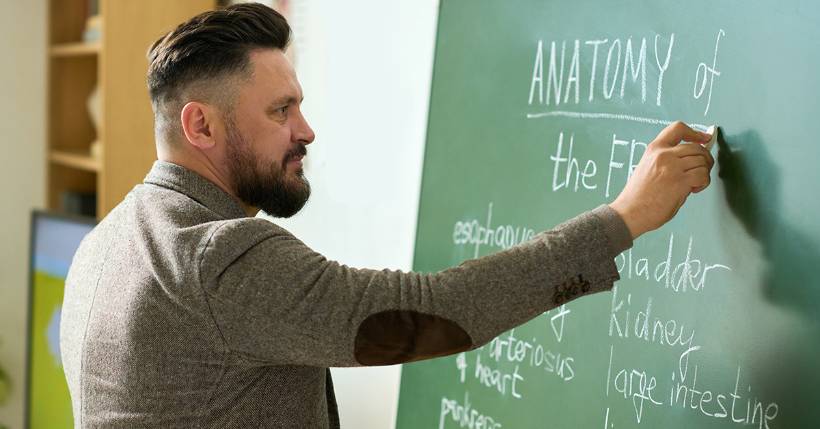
x=198, y=124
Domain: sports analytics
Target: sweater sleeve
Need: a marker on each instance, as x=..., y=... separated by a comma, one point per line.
x=277, y=301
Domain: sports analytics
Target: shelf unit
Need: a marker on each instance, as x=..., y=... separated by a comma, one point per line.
x=78, y=160
x=116, y=66
x=74, y=49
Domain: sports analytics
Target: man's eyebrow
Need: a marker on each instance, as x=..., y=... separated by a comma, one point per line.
x=286, y=100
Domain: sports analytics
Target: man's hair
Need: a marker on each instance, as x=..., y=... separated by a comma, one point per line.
x=202, y=58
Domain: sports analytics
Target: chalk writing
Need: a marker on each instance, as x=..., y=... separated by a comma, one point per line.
x=717, y=404
x=568, y=174
x=509, y=348
x=572, y=171
x=690, y=274
x=564, y=77
x=519, y=353
x=644, y=325
x=504, y=382
x=575, y=63
x=557, y=321
x=633, y=384
x=636, y=150
x=464, y=416
x=642, y=389
x=475, y=233
x=705, y=74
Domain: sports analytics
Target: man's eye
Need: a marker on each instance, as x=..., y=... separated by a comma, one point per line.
x=279, y=111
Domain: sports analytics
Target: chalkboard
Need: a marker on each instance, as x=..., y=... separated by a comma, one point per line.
x=538, y=111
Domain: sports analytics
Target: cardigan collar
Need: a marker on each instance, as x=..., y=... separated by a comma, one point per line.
x=185, y=181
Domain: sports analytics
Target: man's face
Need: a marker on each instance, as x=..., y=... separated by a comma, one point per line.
x=266, y=138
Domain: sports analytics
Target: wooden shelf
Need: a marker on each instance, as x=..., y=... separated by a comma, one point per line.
x=75, y=159
x=115, y=67
x=75, y=49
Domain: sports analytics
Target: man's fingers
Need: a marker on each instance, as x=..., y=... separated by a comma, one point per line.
x=688, y=149
x=709, y=157
x=697, y=178
x=685, y=150
x=678, y=132
x=694, y=161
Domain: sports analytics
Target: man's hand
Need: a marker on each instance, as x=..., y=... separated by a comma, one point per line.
x=664, y=178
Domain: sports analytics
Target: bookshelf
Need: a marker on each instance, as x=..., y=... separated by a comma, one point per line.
x=102, y=161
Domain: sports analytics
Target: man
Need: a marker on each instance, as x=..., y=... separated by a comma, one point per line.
x=184, y=310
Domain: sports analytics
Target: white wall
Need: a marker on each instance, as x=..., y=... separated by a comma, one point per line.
x=22, y=176
x=365, y=68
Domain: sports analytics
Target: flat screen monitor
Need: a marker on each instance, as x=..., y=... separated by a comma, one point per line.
x=54, y=240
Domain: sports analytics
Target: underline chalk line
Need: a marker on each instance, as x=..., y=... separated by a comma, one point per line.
x=610, y=116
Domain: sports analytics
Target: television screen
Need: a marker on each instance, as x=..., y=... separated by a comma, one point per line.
x=54, y=240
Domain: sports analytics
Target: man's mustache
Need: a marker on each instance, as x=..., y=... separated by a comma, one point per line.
x=298, y=150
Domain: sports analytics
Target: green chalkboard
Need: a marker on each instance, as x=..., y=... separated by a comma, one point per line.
x=537, y=111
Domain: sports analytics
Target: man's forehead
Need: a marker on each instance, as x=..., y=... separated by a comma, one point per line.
x=273, y=74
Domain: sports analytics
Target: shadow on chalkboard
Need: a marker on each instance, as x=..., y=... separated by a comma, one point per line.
x=752, y=183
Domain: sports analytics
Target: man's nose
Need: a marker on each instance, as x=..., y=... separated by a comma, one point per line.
x=302, y=133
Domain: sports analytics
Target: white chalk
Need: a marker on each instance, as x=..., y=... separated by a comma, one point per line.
x=713, y=130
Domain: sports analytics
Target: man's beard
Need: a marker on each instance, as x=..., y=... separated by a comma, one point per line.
x=265, y=186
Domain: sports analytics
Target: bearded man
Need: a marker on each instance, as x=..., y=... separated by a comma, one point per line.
x=182, y=309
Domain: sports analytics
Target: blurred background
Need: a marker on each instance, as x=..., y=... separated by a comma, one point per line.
x=76, y=135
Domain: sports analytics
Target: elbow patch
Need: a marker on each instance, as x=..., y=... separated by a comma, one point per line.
x=400, y=336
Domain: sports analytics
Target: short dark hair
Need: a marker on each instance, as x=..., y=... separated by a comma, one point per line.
x=213, y=45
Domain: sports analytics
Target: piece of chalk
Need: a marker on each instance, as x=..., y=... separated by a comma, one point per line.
x=713, y=130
